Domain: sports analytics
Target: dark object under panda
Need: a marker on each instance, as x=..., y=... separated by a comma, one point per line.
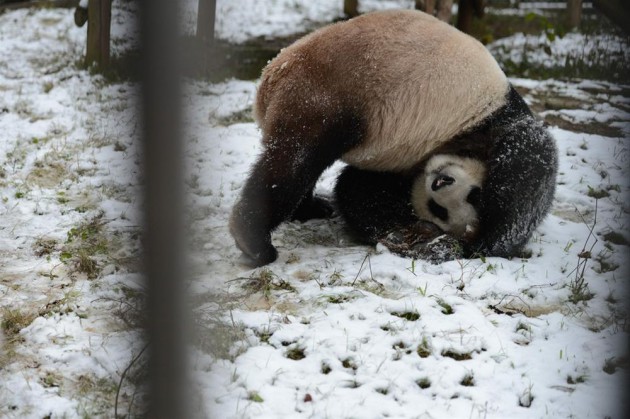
x=521, y=164
x=384, y=92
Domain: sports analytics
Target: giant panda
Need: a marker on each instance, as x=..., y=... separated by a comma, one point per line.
x=384, y=92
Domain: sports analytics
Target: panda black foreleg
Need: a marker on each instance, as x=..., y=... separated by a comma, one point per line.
x=272, y=193
x=377, y=208
x=374, y=204
x=281, y=184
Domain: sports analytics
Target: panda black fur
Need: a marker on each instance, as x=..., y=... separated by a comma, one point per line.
x=384, y=92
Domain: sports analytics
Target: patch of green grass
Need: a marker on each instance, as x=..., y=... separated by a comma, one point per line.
x=349, y=363
x=597, y=193
x=255, y=397
x=85, y=245
x=524, y=327
x=456, y=355
x=44, y=247
x=577, y=380
x=63, y=305
x=424, y=383
x=51, y=379
x=424, y=349
x=15, y=320
x=325, y=368
x=468, y=380
x=446, y=308
x=295, y=353
x=263, y=334
x=338, y=298
x=411, y=316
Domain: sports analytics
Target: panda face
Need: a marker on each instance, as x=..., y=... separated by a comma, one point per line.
x=447, y=193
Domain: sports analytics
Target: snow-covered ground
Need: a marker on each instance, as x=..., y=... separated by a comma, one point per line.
x=331, y=329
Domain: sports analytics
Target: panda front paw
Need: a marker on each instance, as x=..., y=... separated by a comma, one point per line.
x=256, y=254
x=252, y=241
x=404, y=240
x=439, y=250
x=423, y=241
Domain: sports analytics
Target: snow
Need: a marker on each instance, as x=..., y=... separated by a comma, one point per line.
x=331, y=329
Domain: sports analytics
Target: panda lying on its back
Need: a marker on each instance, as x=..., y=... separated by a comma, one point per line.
x=384, y=92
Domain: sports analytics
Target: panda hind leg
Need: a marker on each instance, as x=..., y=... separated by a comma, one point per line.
x=281, y=184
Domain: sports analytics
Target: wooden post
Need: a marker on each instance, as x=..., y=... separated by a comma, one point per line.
x=205, y=20
x=99, y=19
x=351, y=8
x=467, y=9
x=464, y=15
x=574, y=13
x=427, y=6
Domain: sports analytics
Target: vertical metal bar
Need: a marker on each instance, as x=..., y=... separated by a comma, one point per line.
x=163, y=204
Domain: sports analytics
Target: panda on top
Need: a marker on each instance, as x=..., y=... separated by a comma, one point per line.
x=387, y=93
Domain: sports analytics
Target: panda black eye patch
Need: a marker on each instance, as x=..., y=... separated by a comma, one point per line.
x=438, y=210
x=440, y=181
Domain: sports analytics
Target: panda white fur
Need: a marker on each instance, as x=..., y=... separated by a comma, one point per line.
x=384, y=92
x=447, y=194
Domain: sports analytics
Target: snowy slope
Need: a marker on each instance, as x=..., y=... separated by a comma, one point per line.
x=495, y=338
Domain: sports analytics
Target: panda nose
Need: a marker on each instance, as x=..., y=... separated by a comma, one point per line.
x=440, y=181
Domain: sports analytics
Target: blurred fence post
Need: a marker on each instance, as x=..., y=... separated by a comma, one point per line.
x=205, y=20
x=163, y=225
x=574, y=13
x=350, y=8
x=98, y=33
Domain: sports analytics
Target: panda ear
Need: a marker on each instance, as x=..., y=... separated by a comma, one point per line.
x=440, y=181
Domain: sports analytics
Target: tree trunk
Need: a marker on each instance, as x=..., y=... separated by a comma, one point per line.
x=574, y=13
x=465, y=15
x=99, y=19
x=205, y=20
x=427, y=6
x=468, y=9
x=350, y=8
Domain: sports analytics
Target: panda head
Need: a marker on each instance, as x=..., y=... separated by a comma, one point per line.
x=448, y=192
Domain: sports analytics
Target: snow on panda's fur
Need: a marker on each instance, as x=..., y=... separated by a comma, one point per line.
x=384, y=92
